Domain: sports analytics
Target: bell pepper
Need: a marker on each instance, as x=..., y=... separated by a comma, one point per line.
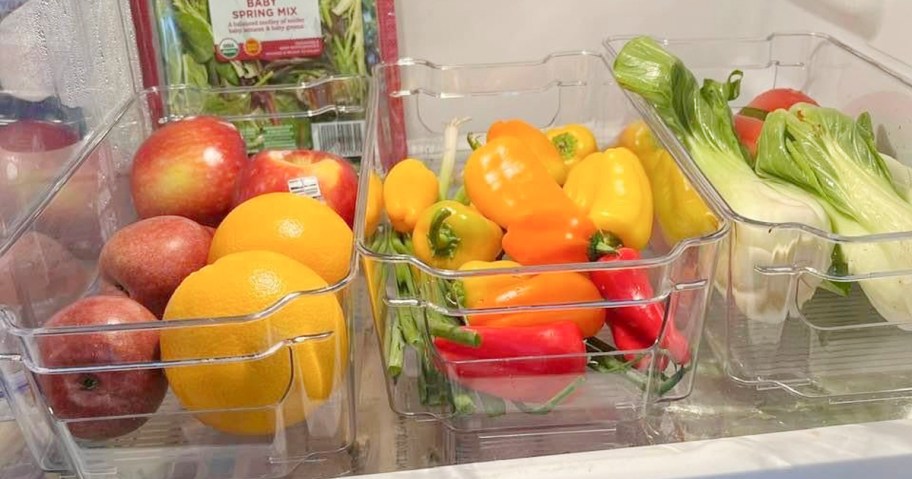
x=538, y=143
x=505, y=182
x=613, y=189
x=574, y=142
x=474, y=290
x=409, y=188
x=679, y=210
x=505, y=290
x=550, y=236
x=449, y=234
x=528, y=363
x=637, y=327
x=374, y=204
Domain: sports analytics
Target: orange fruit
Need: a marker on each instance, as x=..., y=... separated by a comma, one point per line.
x=296, y=226
x=278, y=390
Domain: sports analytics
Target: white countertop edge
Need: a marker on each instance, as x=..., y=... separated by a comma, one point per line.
x=881, y=450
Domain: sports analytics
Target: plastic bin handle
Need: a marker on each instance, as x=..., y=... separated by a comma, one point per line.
x=16, y=357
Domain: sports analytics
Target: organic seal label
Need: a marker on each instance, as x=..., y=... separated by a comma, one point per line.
x=266, y=29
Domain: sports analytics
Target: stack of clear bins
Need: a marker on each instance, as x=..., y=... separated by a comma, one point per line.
x=411, y=103
x=53, y=261
x=831, y=347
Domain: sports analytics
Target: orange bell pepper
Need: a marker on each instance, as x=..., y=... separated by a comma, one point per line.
x=529, y=290
x=505, y=182
x=539, y=143
x=551, y=236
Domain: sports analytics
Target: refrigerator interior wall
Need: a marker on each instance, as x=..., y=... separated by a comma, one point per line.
x=479, y=31
x=463, y=32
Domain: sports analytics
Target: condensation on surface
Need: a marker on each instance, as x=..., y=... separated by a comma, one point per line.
x=80, y=52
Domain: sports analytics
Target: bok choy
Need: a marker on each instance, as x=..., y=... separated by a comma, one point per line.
x=834, y=157
x=701, y=119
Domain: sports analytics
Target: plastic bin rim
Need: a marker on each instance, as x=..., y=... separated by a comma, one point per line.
x=367, y=166
x=409, y=61
x=670, y=139
x=90, y=144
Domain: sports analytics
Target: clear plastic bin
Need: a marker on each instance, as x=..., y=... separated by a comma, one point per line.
x=814, y=344
x=411, y=103
x=67, y=69
x=54, y=262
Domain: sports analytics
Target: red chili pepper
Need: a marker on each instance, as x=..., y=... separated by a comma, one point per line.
x=636, y=327
x=515, y=363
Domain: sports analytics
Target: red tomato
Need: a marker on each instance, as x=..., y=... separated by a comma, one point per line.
x=749, y=121
x=772, y=100
x=748, y=130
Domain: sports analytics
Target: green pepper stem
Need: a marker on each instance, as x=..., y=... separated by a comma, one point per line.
x=566, y=145
x=493, y=406
x=609, y=364
x=474, y=142
x=441, y=237
x=603, y=243
x=554, y=401
x=395, y=348
x=454, y=333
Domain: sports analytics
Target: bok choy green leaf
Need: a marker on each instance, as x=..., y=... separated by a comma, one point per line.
x=701, y=119
x=834, y=157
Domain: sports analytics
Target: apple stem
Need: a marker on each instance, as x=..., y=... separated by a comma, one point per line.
x=89, y=383
x=448, y=164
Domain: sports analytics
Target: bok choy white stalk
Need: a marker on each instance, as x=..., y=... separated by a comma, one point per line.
x=702, y=120
x=834, y=157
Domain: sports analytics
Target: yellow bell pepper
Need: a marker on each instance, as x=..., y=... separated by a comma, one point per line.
x=374, y=204
x=679, y=210
x=574, y=142
x=409, y=188
x=612, y=188
x=449, y=234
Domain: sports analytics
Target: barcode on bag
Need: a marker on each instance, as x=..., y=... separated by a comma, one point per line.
x=344, y=138
x=306, y=186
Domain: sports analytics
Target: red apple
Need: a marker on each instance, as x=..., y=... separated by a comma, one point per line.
x=39, y=273
x=31, y=136
x=102, y=394
x=149, y=259
x=32, y=154
x=32, y=157
x=270, y=170
x=188, y=168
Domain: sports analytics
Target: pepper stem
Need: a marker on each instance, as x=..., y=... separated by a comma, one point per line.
x=474, y=142
x=603, y=243
x=566, y=145
x=441, y=238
